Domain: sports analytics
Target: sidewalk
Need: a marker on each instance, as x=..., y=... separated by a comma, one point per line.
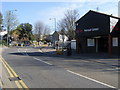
x=102, y=58
x=4, y=81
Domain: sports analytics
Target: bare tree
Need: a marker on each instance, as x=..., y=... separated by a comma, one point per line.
x=46, y=30
x=39, y=28
x=10, y=20
x=1, y=21
x=68, y=22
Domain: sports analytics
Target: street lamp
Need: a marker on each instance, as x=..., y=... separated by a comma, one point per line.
x=54, y=21
x=2, y=36
x=63, y=37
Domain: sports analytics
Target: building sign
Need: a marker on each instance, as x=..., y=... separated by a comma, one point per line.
x=113, y=22
x=90, y=42
x=92, y=29
x=115, y=41
x=87, y=30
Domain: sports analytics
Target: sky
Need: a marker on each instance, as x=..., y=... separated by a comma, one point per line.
x=29, y=11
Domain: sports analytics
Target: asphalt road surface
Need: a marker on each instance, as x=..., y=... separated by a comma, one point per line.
x=38, y=70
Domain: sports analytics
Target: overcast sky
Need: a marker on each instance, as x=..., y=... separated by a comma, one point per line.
x=31, y=11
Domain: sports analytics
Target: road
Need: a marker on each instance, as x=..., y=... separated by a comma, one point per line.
x=38, y=70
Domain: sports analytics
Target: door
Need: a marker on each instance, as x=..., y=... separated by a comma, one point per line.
x=103, y=44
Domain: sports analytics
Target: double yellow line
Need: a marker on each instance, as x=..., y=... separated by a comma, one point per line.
x=20, y=84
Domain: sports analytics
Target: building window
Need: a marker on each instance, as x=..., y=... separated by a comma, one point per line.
x=115, y=41
x=90, y=42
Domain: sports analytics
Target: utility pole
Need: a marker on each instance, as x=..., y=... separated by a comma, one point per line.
x=54, y=22
x=97, y=9
x=2, y=33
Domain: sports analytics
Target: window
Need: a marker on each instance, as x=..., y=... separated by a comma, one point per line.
x=90, y=42
x=115, y=41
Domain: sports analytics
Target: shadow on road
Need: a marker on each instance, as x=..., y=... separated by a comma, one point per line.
x=64, y=55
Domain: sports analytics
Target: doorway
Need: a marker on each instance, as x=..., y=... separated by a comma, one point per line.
x=103, y=44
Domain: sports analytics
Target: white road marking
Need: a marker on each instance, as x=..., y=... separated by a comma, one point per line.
x=40, y=50
x=91, y=79
x=26, y=52
x=42, y=61
x=36, y=58
x=22, y=52
x=18, y=50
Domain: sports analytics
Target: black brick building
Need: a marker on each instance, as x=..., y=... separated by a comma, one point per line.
x=98, y=32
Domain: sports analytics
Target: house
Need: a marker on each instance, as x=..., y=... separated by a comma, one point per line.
x=61, y=39
x=49, y=38
x=98, y=32
x=3, y=33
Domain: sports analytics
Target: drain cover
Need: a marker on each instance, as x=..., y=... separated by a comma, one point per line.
x=14, y=78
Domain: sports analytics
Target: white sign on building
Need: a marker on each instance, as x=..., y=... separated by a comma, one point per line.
x=115, y=41
x=113, y=22
x=3, y=33
x=90, y=42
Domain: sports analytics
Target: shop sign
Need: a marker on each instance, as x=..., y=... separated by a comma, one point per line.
x=87, y=30
x=92, y=29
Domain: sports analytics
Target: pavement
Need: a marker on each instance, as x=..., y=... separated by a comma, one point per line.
x=102, y=58
x=4, y=77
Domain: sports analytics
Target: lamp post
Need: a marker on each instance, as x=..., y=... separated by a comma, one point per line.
x=63, y=37
x=8, y=26
x=54, y=22
x=1, y=34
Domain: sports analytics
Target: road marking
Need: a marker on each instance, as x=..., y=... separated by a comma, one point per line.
x=7, y=68
x=111, y=59
x=90, y=79
x=39, y=50
x=18, y=50
x=38, y=59
x=42, y=61
x=23, y=84
x=72, y=60
x=24, y=51
x=10, y=68
x=13, y=74
x=18, y=85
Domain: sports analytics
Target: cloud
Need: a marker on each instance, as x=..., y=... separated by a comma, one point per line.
x=83, y=7
x=56, y=12
x=59, y=11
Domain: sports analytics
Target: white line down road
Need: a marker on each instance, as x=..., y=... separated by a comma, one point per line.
x=35, y=57
x=90, y=79
x=42, y=61
x=58, y=76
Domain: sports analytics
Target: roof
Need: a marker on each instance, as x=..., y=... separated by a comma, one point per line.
x=99, y=13
x=59, y=33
